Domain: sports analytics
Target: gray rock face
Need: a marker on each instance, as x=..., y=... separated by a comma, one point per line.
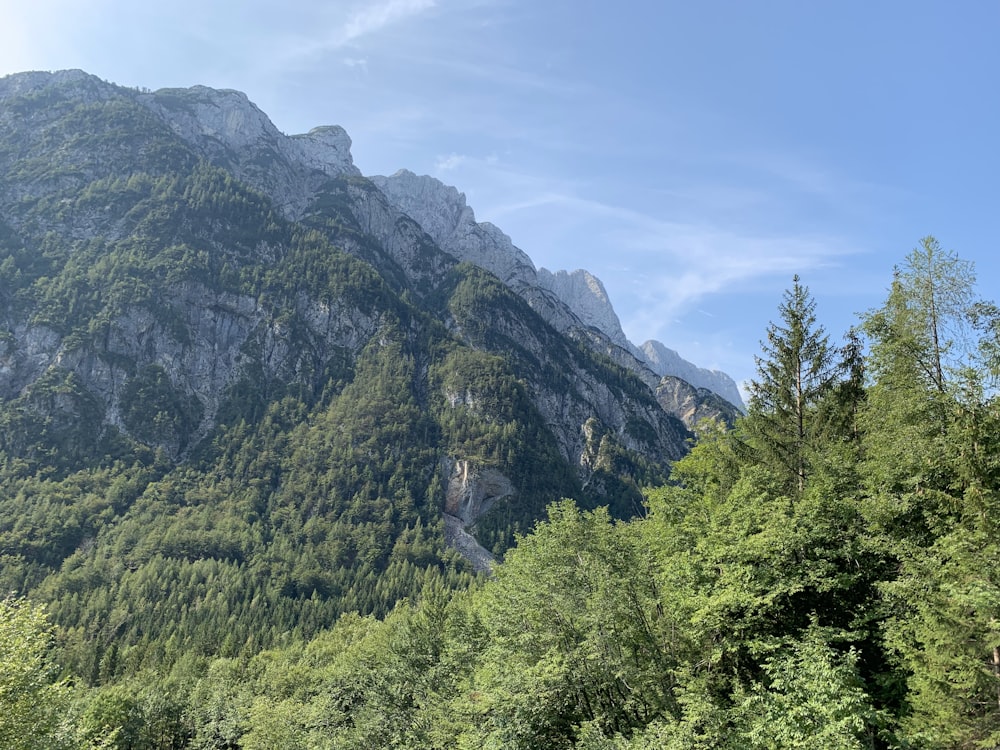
x=572, y=302
x=223, y=121
x=32, y=81
x=211, y=355
x=692, y=405
x=229, y=129
x=441, y=211
x=473, y=490
x=327, y=149
x=666, y=361
x=456, y=537
x=586, y=296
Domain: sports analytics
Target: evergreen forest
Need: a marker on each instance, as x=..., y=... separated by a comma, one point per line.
x=253, y=418
x=824, y=574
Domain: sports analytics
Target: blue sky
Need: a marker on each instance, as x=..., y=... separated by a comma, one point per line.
x=693, y=155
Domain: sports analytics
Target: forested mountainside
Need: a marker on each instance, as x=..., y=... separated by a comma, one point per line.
x=261, y=434
x=242, y=393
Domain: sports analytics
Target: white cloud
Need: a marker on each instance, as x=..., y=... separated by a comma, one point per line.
x=659, y=270
x=376, y=16
x=338, y=28
x=360, y=63
x=449, y=162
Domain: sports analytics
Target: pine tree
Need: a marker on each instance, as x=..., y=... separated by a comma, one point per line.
x=797, y=370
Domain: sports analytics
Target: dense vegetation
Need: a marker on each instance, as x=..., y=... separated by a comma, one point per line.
x=825, y=574
x=228, y=437
x=230, y=426
x=227, y=427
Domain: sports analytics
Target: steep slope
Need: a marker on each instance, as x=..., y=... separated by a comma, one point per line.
x=667, y=362
x=242, y=392
x=573, y=302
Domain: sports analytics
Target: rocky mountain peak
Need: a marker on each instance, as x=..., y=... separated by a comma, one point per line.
x=665, y=361
x=442, y=208
x=223, y=115
x=442, y=212
x=19, y=84
x=327, y=149
x=227, y=120
x=587, y=298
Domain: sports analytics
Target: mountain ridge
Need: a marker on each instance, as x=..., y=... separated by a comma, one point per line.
x=188, y=335
x=226, y=123
x=443, y=212
x=238, y=384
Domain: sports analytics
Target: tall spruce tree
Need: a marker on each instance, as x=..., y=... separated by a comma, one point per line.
x=797, y=370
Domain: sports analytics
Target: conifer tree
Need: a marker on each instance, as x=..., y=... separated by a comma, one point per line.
x=797, y=370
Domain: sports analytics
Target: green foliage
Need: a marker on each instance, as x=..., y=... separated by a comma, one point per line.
x=486, y=416
x=32, y=702
x=823, y=574
x=814, y=697
x=154, y=411
x=798, y=374
x=56, y=424
x=575, y=635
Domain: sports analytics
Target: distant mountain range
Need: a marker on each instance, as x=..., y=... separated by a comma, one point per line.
x=442, y=212
x=222, y=343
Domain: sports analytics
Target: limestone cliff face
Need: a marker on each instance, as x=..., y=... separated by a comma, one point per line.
x=473, y=490
x=574, y=302
x=666, y=361
x=214, y=341
x=586, y=296
x=227, y=128
x=402, y=251
x=692, y=405
x=441, y=211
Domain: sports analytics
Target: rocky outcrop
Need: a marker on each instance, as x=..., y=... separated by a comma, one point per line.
x=229, y=129
x=470, y=494
x=442, y=212
x=472, y=490
x=460, y=540
x=664, y=361
x=211, y=341
x=403, y=253
x=692, y=405
x=586, y=296
x=326, y=148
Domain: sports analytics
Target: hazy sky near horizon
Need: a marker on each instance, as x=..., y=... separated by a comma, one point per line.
x=693, y=156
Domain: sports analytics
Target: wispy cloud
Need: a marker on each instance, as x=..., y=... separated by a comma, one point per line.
x=659, y=269
x=376, y=16
x=360, y=63
x=338, y=29
x=449, y=162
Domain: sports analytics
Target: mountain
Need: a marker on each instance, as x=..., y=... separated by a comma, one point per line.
x=244, y=388
x=569, y=301
x=664, y=361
